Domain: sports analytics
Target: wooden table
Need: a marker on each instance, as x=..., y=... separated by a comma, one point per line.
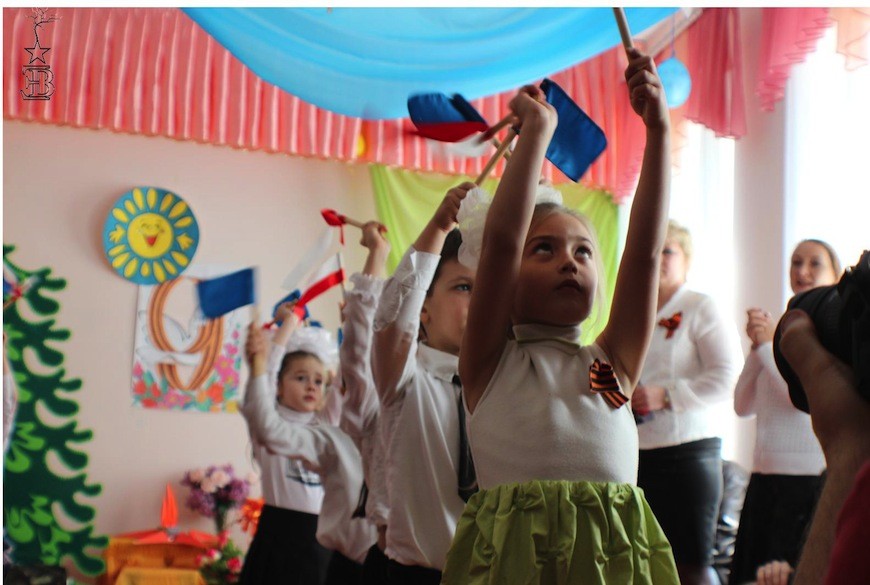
x=152, y=576
x=128, y=563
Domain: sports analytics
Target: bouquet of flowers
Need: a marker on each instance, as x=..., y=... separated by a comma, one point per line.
x=215, y=491
x=223, y=564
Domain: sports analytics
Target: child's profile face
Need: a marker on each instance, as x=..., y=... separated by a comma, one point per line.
x=445, y=311
x=300, y=386
x=558, y=275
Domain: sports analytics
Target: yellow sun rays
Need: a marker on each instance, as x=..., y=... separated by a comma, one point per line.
x=150, y=236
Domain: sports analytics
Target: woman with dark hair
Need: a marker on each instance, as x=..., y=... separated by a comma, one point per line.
x=788, y=460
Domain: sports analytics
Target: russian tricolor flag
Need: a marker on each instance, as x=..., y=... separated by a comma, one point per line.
x=445, y=119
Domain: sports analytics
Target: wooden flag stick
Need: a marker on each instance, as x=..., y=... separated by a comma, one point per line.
x=258, y=366
x=341, y=267
x=494, y=158
x=497, y=143
x=497, y=128
x=353, y=222
x=624, y=31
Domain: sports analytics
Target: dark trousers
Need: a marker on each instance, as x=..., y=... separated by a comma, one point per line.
x=399, y=574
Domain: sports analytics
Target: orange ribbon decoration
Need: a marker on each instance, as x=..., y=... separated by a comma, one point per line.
x=671, y=324
x=603, y=381
x=208, y=340
x=250, y=515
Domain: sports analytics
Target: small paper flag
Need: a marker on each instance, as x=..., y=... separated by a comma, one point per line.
x=219, y=296
x=445, y=119
x=578, y=141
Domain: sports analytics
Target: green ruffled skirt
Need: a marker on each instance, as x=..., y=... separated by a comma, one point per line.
x=559, y=533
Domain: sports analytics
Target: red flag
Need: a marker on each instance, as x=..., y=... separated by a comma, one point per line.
x=327, y=276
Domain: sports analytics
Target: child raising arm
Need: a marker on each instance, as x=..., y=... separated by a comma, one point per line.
x=555, y=446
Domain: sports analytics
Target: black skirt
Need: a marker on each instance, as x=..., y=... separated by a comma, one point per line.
x=285, y=550
x=683, y=485
x=375, y=567
x=343, y=571
x=773, y=524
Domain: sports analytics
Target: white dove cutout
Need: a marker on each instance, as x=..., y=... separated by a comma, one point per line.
x=179, y=337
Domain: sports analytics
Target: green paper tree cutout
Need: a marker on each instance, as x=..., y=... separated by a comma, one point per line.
x=34, y=495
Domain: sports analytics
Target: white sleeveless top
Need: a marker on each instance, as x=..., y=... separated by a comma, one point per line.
x=538, y=418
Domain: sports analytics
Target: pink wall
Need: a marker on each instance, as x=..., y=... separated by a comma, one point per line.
x=252, y=208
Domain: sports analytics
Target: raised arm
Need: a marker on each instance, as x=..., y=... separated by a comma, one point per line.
x=278, y=346
x=397, y=320
x=504, y=235
x=361, y=399
x=632, y=318
x=266, y=426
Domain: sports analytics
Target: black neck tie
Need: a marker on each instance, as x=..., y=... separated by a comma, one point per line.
x=466, y=477
x=360, y=511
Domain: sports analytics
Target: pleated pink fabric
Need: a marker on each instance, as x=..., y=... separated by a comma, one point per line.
x=153, y=71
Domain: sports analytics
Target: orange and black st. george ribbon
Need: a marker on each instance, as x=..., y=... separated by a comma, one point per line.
x=603, y=381
x=671, y=324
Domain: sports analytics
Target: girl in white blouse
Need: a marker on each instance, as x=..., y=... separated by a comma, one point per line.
x=554, y=443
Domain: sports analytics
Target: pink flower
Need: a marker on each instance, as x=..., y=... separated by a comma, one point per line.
x=175, y=398
x=223, y=364
x=231, y=350
x=220, y=478
x=197, y=475
x=214, y=554
x=137, y=370
x=234, y=564
x=208, y=486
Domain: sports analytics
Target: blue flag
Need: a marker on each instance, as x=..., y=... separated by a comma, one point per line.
x=578, y=141
x=219, y=296
x=294, y=296
x=439, y=117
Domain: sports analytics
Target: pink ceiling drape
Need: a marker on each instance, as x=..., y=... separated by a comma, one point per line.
x=710, y=49
x=153, y=71
x=790, y=34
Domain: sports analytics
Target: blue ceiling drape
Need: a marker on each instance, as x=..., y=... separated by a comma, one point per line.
x=365, y=62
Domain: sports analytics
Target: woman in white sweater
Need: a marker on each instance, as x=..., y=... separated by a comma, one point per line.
x=692, y=364
x=788, y=460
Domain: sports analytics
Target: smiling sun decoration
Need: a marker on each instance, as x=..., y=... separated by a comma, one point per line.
x=150, y=235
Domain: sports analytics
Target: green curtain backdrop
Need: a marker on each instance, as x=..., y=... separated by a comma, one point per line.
x=405, y=200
